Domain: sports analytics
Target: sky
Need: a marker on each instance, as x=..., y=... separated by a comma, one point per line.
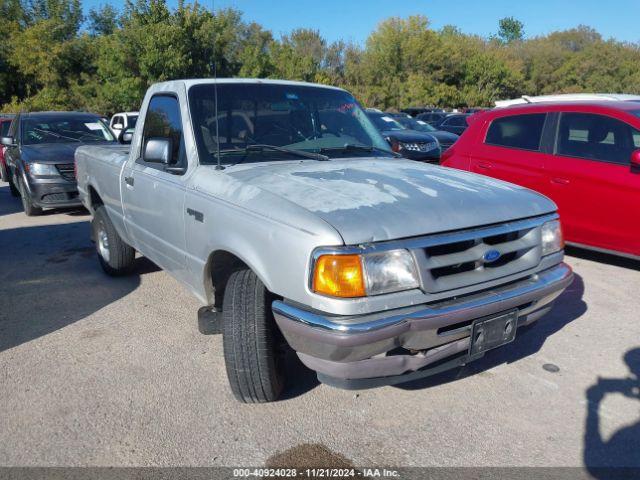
x=353, y=20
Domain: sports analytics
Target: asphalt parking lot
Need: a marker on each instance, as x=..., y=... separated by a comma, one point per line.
x=113, y=372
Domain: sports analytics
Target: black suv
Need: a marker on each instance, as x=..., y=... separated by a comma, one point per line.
x=39, y=155
x=420, y=146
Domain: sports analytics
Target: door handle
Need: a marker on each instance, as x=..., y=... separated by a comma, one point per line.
x=128, y=180
x=485, y=165
x=560, y=181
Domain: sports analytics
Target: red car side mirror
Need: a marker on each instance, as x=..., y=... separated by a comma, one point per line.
x=635, y=161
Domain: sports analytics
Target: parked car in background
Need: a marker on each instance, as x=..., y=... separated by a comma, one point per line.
x=445, y=139
x=431, y=118
x=413, y=145
x=583, y=155
x=298, y=229
x=414, y=111
x=453, y=122
x=5, y=123
x=39, y=154
x=473, y=109
x=123, y=121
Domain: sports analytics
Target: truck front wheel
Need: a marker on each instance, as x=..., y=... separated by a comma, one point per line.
x=254, y=348
x=116, y=257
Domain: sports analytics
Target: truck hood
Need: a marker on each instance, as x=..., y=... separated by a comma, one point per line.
x=373, y=199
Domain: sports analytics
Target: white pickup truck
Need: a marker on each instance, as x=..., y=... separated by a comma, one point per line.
x=286, y=213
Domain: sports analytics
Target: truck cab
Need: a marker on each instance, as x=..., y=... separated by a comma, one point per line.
x=284, y=211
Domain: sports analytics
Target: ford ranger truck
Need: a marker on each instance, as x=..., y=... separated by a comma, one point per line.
x=287, y=215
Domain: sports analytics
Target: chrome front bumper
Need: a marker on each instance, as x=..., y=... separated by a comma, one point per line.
x=355, y=347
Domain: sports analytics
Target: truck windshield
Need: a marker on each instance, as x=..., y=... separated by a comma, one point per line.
x=296, y=117
x=64, y=129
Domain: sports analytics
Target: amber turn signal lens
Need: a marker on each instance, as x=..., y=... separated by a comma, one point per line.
x=339, y=276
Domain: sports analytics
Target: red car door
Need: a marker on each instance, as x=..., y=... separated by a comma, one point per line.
x=591, y=181
x=510, y=149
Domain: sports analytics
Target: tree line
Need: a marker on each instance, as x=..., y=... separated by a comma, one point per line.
x=53, y=57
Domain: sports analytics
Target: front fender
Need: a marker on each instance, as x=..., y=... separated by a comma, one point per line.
x=278, y=252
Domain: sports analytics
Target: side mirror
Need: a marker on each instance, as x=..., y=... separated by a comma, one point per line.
x=157, y=150
x=8, y=141
x=635, y=161
x=125, y=136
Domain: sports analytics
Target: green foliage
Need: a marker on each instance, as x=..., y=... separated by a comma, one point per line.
x=53, y=58
x=511, y=30
x=103, y=20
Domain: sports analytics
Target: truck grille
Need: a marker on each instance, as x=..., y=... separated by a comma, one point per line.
x=67, y=171
x=466, y=258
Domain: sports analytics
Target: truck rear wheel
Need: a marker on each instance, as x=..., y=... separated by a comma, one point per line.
x=30, y=209
x=116, y=257
x=253, y=345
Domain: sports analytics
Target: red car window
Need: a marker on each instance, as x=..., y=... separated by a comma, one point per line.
x=596, y=137
x=517, y=131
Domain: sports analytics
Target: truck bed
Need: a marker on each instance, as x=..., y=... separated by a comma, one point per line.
x=101, y=166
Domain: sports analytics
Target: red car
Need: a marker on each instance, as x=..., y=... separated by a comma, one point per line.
x=583, y=155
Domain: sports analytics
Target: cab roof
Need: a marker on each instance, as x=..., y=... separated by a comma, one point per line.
x=172, y=84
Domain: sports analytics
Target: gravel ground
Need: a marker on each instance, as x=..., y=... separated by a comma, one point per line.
x=113, y=372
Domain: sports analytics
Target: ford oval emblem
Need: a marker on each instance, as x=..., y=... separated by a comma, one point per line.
x=491, y=256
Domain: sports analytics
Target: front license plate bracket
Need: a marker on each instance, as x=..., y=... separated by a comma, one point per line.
x=490, y=332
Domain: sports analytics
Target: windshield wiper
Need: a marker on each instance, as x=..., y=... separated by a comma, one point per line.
x=355, y=147
x=261, y=148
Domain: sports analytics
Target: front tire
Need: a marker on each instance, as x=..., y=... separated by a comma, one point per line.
x=115, y=256
x=253, y=344
x=30, y=209
x=12, y=186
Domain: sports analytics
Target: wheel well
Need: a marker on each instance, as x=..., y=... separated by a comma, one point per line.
x=95, y=198
x=220, y=266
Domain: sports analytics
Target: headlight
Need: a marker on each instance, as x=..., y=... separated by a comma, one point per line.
x=351, y=276
x=552, y=240
x=390, y=271
x=42, y=169
x=419, y=147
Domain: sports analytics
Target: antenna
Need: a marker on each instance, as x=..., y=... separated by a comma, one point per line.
x=215, y=86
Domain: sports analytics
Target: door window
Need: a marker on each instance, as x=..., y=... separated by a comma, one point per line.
x=163, y=120
x=596, y=137
x=5, y=128
x=517, y=131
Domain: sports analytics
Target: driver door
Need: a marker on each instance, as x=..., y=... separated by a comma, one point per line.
x=154, y=196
